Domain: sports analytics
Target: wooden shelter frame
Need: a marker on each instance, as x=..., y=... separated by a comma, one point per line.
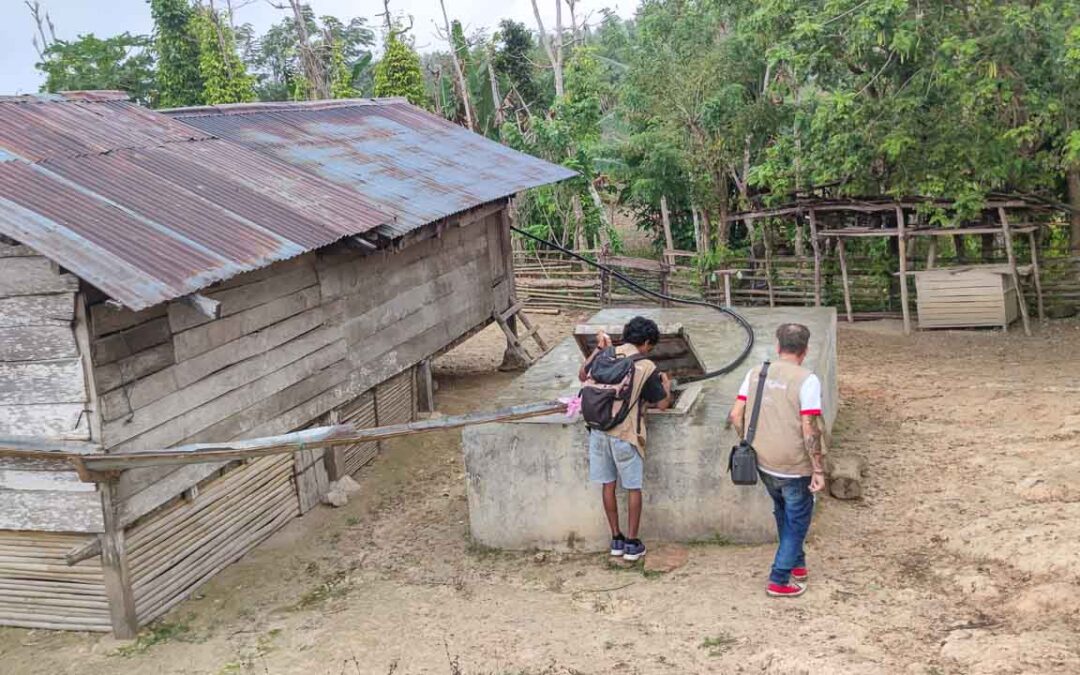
x=811, y=208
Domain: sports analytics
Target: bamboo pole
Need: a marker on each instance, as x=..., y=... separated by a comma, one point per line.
x=816, y=245
x=1034, y=244
x=1012, y=268
x=931, y=254
x=665, y=218
x=901, y=237
x=844, y=277
x=318, y=437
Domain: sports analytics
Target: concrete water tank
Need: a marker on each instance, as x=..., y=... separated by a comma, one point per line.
x=528, y=485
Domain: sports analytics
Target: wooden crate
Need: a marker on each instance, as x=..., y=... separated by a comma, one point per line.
x=966, y=297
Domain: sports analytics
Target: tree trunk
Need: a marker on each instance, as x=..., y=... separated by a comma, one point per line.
x=1073, y=179
x=552, y=46
x=459, y=72
x=495, y=98
x=313, y=71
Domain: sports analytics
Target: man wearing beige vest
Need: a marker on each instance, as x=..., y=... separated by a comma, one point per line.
x=617, y=454
x=788, y=445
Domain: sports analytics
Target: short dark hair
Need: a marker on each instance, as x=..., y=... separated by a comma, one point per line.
x=639, y=331
x=793, y=338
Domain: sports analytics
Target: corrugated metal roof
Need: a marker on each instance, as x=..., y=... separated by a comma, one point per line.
x=148, y=209
x=411, y=163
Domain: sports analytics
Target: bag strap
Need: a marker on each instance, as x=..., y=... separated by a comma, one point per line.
x=751, y=429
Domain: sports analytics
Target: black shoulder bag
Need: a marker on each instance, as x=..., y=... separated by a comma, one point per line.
x=742, y=462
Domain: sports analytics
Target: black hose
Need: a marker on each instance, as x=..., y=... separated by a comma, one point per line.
x=648, y=292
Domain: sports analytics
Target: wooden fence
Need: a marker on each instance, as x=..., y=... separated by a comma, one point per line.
x=552, y=280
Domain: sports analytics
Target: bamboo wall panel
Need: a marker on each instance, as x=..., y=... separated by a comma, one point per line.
x=361, y=413
x=395, y=399
x=178, y=548
x=39, y=590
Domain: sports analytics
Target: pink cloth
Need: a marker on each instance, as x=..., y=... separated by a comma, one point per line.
x=573, y=405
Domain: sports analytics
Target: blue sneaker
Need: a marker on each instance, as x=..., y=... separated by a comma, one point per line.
x=633, y=550
x=618, y=545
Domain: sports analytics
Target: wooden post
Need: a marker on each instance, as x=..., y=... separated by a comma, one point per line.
x=768, y=262
x=1012, y=268
x=844, y=276
x=114, y=566
x=665, y=282
x=1034, y=243
x=727, y=289
x=931, y=254
x=816, y=245
x=665, y=218
x=425, y=387
x=334, y=458
x=901, y=234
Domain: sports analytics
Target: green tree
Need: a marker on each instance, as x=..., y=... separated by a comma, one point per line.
x=179, y=80
x=513, y=59
x=398, y=72
x=225, y=79
x=122, y=62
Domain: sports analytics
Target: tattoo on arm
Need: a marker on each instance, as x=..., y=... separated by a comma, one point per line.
x=812, y=442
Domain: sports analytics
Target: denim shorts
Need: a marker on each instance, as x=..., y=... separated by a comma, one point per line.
x=611, y=458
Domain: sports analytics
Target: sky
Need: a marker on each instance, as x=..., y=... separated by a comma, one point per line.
x=109, y=17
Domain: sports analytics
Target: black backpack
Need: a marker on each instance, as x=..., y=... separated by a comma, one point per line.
x=606, y=395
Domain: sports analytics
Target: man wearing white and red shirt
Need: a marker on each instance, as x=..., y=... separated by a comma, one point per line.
x=788, y=445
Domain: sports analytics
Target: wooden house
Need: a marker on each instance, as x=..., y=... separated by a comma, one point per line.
x=161, y=284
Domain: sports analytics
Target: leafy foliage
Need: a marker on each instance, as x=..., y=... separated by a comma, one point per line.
x=122, y=62
x=225, y=80
x=179, y=81
x=398, y=73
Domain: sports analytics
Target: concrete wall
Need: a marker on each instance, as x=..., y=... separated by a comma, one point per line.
x=528, y=481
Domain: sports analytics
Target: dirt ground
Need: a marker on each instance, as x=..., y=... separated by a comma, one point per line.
x=963, y=556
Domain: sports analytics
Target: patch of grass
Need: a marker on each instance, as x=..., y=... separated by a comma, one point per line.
x=336, y=585
x=352, y=521
x=719, y=645
x=155, y=634
x=483, y=552
x=715, y=540
x=246, y=657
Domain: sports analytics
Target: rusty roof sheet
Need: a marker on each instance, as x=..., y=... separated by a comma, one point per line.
x=411, y=163
x=148, y=209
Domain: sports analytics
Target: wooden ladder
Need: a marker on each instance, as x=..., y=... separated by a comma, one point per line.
x=531, y=331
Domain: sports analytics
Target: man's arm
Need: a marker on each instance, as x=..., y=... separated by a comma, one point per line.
x=738, y=416
x=603, y=341
x=664, y=404
x=811, y=432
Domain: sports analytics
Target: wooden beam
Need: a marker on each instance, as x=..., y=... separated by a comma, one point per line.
x=425, y=387
x=208, y=307
x=844, y=277
x=1012, y=267
x=931, y=254
x=317, y=437
x=1034, y=244
x=88, y=549
x=902, y=240
x=816, y=245
x=114, y=566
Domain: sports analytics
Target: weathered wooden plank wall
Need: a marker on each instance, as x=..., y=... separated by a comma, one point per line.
x=43, y=393
x=294, y=341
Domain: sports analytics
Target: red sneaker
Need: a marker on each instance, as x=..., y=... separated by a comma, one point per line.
x=799, y=574
x=785, y=591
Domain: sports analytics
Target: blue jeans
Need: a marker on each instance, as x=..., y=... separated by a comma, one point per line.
x=793, y=506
